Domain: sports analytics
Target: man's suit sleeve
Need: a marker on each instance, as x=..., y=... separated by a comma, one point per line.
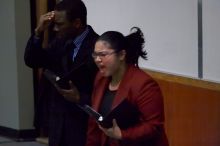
x=34, y=55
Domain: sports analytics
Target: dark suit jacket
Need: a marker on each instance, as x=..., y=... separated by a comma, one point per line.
x=144, y=93
x=67, y=122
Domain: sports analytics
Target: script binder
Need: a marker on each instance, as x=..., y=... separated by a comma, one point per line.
x=75, y=75
x=56, y=80
x=125, y=114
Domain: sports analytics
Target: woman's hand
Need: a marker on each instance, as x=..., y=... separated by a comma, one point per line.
x=114, y=132
x=71, y=94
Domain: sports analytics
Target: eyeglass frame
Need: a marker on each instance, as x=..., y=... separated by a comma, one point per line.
x=102, y=54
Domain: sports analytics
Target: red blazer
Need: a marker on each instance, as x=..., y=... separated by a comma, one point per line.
x=142, y=91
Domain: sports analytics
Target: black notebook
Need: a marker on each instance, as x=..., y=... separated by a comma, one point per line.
x=56, y=80
x=78, y=75
x=125, y=114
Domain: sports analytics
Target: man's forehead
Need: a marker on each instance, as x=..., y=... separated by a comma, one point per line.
x=60, y=15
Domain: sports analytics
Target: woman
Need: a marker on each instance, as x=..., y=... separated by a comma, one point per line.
x=119, y=77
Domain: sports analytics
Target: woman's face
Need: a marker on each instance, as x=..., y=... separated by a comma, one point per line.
x=107, y=60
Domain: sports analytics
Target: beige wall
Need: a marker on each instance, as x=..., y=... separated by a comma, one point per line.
x=16, y=86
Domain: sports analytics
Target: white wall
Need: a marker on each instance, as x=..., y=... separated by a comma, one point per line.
x=211, y=39
x=25, y=82
x=16, y=87
x=170, y=28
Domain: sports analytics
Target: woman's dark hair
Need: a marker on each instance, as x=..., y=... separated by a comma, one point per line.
x=74, y=9
x=133, y=44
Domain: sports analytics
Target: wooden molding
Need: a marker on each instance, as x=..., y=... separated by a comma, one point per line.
x=183, y=80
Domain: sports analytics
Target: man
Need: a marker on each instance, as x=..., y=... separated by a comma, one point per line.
x=70, y=51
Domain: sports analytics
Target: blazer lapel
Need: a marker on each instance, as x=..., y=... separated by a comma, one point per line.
x=123, y=90
x=122, y=93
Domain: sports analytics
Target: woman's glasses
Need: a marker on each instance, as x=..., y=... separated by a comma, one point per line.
x=101, y=54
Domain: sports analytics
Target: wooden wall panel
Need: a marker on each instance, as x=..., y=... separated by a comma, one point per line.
x=41, y=8
x=192, y=110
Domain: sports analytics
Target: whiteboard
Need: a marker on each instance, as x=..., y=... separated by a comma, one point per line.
x=170, y=28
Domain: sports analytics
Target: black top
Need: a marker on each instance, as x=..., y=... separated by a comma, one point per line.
x=107, y=101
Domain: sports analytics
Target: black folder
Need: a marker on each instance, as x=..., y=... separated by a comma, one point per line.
x=75, y=75
x=125, y=113
x=56, y=80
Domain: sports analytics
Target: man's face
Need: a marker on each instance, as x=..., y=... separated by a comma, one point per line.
x=63, y=27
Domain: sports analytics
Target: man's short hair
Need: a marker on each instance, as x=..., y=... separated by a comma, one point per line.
x=74, y=9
